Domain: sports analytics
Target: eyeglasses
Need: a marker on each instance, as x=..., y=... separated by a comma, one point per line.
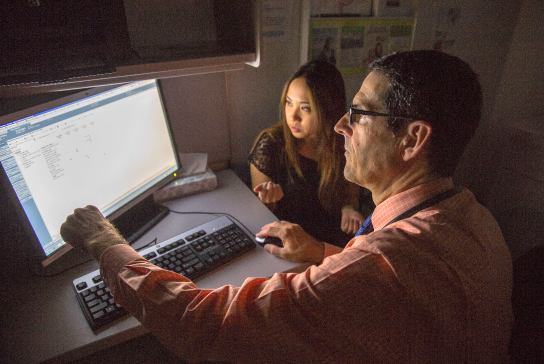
x=356, y=114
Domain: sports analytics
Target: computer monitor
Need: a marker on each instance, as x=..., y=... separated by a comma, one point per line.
x=111, y=147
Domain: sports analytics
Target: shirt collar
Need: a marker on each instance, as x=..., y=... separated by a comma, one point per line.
x=401, y=202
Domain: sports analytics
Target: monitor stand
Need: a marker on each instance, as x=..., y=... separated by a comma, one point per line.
x=139, y=219
x=132, y=225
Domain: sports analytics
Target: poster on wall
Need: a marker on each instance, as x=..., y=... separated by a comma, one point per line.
x=276, y=18
x=352, y=43
x=340, y=7
x=446, y=27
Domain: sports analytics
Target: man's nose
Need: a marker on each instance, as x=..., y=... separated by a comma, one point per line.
x=343, y=126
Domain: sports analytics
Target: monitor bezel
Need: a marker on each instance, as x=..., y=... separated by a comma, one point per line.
x=21, y=217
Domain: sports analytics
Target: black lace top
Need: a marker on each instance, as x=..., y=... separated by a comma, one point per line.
x=300, y=203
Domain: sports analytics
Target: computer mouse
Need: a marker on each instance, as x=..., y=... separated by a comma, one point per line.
x=269, y=240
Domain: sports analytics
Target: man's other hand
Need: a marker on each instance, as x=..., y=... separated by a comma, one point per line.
x=86, y=229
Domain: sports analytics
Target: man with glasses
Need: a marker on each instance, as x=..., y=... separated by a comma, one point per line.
x=427, y=279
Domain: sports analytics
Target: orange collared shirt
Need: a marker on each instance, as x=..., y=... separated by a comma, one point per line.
x=432, y=288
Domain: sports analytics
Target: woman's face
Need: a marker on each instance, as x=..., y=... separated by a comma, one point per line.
x=298, y=113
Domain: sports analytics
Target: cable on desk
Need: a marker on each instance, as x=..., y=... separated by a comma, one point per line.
x=153, y=242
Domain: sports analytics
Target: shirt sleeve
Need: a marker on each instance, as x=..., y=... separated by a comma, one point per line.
x=274, y=318
x=264, y=156
x=331, y=250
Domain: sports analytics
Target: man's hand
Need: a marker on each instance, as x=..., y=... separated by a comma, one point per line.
x=352, y=220
x=269, y=192
x=298, y=245
x=86, y=229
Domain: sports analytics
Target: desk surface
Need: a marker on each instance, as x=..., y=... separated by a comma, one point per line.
x=42, y=320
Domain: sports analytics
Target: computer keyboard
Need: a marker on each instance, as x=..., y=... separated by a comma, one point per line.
x=191, y=254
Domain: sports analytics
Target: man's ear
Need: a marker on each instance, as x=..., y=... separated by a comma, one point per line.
x=416, y=139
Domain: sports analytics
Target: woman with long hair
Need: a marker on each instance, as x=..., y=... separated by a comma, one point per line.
x=297, y=164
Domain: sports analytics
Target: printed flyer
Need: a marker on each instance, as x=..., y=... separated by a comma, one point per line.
x=352, y=43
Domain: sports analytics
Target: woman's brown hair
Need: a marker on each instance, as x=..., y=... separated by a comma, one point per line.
x=328, y=105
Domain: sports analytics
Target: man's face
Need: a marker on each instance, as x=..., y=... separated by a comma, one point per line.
x=372, y=154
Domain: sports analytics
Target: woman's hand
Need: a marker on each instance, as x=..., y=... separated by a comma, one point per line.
x=351, y=220
x=269, y=192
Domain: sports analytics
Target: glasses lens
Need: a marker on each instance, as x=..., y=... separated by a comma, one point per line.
x=353, y=117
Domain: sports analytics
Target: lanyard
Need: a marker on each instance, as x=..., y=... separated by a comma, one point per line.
x=423, y=205
x=427, y=203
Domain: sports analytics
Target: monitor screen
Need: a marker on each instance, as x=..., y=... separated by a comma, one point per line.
x=110, y=147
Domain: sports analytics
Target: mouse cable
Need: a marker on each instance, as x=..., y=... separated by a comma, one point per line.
x=152, y=242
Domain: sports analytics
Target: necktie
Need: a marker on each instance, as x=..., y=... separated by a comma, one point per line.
x=367, y=227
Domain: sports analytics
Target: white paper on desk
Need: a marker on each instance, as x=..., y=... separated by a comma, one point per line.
x=193, y=163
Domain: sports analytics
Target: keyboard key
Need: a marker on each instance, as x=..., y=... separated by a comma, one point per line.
x=90, y=297
x=150, y=255
x=92, y=303
x=99, y=314
x=190, y=263
x=188, y=258
x=98, y=307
